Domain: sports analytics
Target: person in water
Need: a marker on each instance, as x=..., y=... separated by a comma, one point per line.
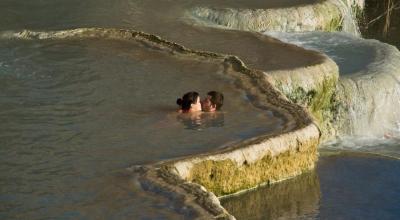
x=197, y=120
x=212, y=102
x=190, y=102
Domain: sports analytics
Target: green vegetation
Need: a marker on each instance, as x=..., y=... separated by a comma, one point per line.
x=320, y=101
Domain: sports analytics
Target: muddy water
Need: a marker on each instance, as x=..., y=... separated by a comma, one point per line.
x=75, y=114
x=344, y=186
x=352, y=54
x=170, y=23
x=74, y=117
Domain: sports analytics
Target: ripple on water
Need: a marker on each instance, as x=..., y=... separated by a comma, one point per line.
x=350, y=53
x=71, y=113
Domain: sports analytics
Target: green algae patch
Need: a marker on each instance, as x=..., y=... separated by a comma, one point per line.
x=226, y=176
x=322, y=105
x=334, y=25
x=320, y=101
x=314, y=88
x=331, y=16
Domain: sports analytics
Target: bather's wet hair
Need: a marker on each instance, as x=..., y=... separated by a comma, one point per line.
x=187, y=100
x=216, y=99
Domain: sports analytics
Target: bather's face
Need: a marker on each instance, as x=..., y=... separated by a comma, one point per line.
x=206, y=105
x=196, y=107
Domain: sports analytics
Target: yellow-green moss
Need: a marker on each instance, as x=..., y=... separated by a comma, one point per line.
x=226, y=176
x=335, y=24
x=320, y=101
x=331, y=15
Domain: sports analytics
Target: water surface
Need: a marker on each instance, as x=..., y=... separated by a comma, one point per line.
x=351, y=54
x=344, y=186
x=76, y=113
x=165, y=18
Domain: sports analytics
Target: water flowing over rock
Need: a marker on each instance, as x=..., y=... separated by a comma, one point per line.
x=328, y=15
x=367, y=98
x=312, y=87
x=370, y=99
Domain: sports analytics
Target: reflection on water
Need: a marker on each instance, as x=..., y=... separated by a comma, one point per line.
x=199, y=121
x=291, y=199
x=359, y=187
x=351, y=54
x=344, y=186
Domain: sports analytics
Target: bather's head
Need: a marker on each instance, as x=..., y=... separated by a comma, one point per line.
x=190, y=102
x=213, y=102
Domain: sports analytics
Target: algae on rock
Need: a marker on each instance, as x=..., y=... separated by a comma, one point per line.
x=314, y=88
x=226, y=176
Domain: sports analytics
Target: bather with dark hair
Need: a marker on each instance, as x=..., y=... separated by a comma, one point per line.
x=190, y=102
x=213, y=102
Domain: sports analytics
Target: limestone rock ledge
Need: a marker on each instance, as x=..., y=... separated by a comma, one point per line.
x=313, y=87
x=327, y=15
x=253, y=162
x=368, y=99
x=196, y=180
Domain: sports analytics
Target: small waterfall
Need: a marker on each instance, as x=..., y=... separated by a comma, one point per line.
x=368, y=93
x=349, y=20
x=371, y=97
